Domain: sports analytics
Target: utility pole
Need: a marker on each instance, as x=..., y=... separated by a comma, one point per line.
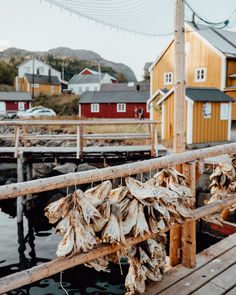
x=179, y=77
x=179, y=97
x=33, y=81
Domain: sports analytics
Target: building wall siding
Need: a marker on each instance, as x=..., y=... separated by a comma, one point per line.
x=109, y=110
x=13, y=106
x=232, y=93
x=198, y=54
x=231, y=69
x=208, y=129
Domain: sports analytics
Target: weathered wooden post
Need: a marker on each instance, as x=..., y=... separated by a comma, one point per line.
x=179, y=94
x=189, y=228
x=20, y=178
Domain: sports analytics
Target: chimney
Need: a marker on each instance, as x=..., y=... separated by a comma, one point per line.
x=137, y=87
x=49, y=76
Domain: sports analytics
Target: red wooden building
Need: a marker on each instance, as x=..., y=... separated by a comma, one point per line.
x=11, y=102
x=115, y=101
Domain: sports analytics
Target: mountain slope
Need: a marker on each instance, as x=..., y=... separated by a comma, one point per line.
x=68, y=53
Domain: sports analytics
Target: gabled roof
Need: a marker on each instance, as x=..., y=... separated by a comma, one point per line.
x=114, y=97
x=85, y=79
x=15, y=96
x=42, y=79
x=89, y=70
x=147, y=66
x=223, y=40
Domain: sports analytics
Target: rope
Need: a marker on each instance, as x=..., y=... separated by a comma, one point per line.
x=62, y=283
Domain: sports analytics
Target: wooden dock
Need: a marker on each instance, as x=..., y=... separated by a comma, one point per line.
x=65, y=146
x=214, y=273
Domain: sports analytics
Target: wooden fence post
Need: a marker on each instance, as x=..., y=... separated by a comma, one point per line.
x=17, y=139
x=20, y=178
x=189, y=228
x=152, y=140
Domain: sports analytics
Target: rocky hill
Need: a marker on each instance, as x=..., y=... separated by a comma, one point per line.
x=87, y=56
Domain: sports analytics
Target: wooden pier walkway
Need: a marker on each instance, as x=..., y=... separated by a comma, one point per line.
x=214, y=274
x=142, y=141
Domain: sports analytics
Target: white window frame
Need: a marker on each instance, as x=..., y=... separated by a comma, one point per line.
x=224, y=111
x=200, y=74
x=207, y=110
x=168, y=78
x=35, y=85
x=21, y=106
x=121, y=107
x=95, y=108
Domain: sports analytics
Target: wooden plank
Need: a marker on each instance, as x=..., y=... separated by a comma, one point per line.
x=46, y=184
x=209, y=289
x=206, y=273
x=20, y=178
x=78, y=150
x=232, y=291
x=179, y=272
x=227, y=279
x=77, y=122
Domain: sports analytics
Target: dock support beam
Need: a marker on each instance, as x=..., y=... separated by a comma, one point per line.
x=20, y=178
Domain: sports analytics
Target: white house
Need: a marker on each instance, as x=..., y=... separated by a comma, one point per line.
x=89, y=80
x=36, y=66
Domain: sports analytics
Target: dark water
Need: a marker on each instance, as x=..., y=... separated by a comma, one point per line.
x=37, y=245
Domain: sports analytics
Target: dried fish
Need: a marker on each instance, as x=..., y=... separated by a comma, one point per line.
x=58, y=209
x=130, y=216
x=66, y=245
x=118, y=194
x=99, y=264
x=96, y=195
x=88, y=210
x=141, y=226
x=105, y=210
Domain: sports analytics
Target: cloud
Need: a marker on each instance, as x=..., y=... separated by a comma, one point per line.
x=4, y=44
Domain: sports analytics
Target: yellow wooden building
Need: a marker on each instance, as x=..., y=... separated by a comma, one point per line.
x=38, y=84
x=210, y=65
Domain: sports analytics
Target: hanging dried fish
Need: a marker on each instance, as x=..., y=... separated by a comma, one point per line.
x=96, y=195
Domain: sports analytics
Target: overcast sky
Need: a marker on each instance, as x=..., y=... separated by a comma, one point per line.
x=33, y=25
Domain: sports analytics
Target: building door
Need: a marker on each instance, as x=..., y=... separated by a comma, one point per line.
x=21, y=106
x=2, y=108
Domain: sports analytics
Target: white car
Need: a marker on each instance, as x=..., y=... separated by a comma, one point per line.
x=37, y=112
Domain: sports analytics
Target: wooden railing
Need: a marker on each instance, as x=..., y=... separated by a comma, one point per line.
x=22, y=132
x=189, y=249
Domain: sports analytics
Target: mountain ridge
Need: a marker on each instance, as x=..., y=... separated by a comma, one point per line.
x=69, y=53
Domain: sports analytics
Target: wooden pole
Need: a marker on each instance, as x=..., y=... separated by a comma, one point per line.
x=78, y=143
x=189, y=228
x=17, y=139
x=179, y=77
x=47, y=269
x=46, y=184
x=20, y=178
x=179, y=94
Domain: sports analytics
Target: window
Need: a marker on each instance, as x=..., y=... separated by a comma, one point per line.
x=168, y=78
x=95, y=108
x=86, y=88
x=52, y=88
x=207, y=110
x=121, y=107
x=224, y=111
x=35, y=85
x=200, y=74
x=21, y=105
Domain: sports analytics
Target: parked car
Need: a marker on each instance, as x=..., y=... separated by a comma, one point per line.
x=37, y=112
x=23, y=113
